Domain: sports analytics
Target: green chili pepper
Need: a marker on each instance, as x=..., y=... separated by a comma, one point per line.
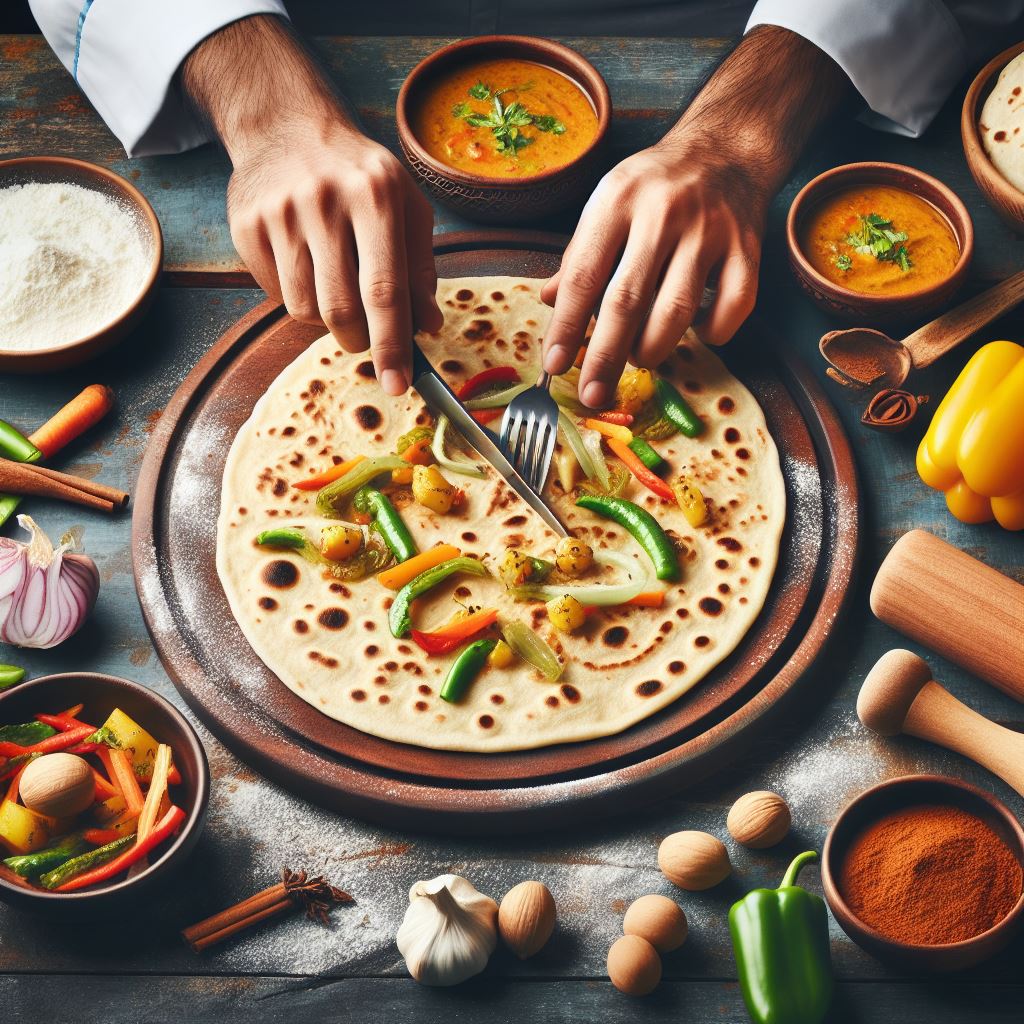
x=386, y=521
x=9, y=674
x=32, y=865
x=15, y=446
x=411, y=437
x=282, y=537
x=331, y=497
x=25, y=734
x=465, y=669
x=400, y=614
x=644, y=528
x=85, y=862
x=780, y=938
x=647, y=455
x=676, y=410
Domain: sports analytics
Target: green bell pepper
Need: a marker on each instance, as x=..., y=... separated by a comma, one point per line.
x=780, y=939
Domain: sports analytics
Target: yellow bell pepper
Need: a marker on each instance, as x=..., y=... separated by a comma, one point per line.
x=974, y=448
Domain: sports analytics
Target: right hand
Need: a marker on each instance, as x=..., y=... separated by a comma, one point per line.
x=330, y=223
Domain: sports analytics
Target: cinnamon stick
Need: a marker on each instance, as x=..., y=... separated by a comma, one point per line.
x=17, y=478
x=118, y=497
x=294, y=891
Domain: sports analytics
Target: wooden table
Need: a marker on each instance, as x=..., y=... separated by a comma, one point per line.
x=137, y=969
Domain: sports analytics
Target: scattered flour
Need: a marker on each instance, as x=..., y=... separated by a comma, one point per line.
x=71, y=261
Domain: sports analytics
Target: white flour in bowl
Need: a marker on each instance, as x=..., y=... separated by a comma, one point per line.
x=71, y=261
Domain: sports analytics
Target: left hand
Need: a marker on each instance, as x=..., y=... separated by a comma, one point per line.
x=657, y=229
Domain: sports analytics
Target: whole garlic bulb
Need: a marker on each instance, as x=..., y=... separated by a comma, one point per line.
x=449, y=930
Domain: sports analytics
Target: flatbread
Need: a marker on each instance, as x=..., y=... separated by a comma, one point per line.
x=329, y=642
x=1001, y=124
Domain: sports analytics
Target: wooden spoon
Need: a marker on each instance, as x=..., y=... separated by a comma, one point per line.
x=889, y=361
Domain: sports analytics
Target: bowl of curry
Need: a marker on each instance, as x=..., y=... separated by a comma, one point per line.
x=879, y=242
x=504, y=129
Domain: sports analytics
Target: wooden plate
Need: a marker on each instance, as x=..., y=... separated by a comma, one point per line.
x=245, y=705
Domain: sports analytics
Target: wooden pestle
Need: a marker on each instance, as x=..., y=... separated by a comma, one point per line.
x=900, y=696
x=965, y=610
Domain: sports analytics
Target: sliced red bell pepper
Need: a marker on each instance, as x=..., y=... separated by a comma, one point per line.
x=623, y=419
x=485, y=416
x=487, y=379
x=62, y=722
x=632, y=462
x=455, y=634
x=61, y=741
x=169, y=824
x=101, y=836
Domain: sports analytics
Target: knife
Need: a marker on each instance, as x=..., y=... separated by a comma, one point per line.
x=441, y=399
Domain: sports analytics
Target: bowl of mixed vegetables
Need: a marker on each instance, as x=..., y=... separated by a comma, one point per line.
x=103, y=791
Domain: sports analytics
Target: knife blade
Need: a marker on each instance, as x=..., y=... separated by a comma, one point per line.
x=441, y=399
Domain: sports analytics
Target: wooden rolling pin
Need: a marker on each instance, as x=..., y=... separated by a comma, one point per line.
x=900, y=696
x=965, y=610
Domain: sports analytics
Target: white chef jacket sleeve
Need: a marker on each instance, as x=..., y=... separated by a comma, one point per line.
x=904, y=57
x=125, y=56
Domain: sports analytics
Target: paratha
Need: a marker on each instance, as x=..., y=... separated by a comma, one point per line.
x=1002, y=118
x=329, y=642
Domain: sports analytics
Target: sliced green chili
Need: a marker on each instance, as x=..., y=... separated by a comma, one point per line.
x=676, y=410
x=647, y=455
x=32, y=865
x=386, y=521
x=85, y=862
x=465, y=669
x=644, y=528
x=9, y=674
x=331, y=497
x=281, y=537
x=400, y=613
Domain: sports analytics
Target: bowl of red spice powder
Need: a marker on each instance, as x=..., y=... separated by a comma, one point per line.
x=926, y=871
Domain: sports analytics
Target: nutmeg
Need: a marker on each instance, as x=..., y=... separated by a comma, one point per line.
x=693, y=860
x=759, y=819
x=526, y=918
x=634, y=966
x=657, y=919
x=58, y=785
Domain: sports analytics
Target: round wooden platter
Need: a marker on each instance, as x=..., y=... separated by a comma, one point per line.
x=250, y=710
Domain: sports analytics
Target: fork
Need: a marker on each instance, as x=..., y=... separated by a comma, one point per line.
x=528, y=431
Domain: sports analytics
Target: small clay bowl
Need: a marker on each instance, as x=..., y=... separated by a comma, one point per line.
x=890, y=796
x=101, y=694
x=505, y=200
x=879, y=309
x=21, y=171
x=1003, y=197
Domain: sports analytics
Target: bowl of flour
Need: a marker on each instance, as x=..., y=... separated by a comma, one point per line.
x=80, y=255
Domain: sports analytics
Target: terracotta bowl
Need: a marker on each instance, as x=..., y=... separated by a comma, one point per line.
x=23, y=170
x=494, y=200
x=101, y=694
x=1006, y=200
x=890, y=796
x=879, y=309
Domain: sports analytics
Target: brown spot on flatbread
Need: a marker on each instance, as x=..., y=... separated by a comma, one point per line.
x=726, y=405
x=325, y=361
x=732, y=435
x=421, y=705
x=424, y=689
x=368, y=417
x=743, y=600
x=693, y=386
x=317, y=387
x=358, y=695
x=311, y=440
x=482, y=310
x=702, y=641
x=675, y=667
x=721, y=563
x=391, y=666
x=280, y=487
x=469, y=536
x=369, y=625
x=333, y=618
x=742, y=453
x=755, y=562
x=648, y=688
x=485, y=721
x=496, y=698
x=497, y=296
x=682, y=613
x=451, y=366
x=478, y=330
x=383, y=699
x=340, y=588
x=280, y=574
x=615, y=636
x=570, y=693
x=710, y=606
x=515, y=521
x=380, y=680
x=462, y=591
x=464, y=295
x=552, y=702
x=999, y=136
x=323, y=659
x=729, y=543
x=404, y=649
x=372, y=650
x=288, y=432
x=666, y=628
x=365, y=369
x=267, y=604
x=300, y=626
x=723, y=588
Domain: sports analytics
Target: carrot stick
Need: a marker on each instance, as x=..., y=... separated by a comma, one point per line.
x=103, y=789
x=81, y=413
x=157, y=788
x=314, y=483
x=124, y=776
x=397, y=576
x=649, y=599
x=103, y=753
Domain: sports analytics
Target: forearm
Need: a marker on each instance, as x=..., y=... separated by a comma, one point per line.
x=763, y=104
x=254, y=79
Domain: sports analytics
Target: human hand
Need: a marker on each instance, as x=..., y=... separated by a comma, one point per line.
x=329, y=222
x=658, y=228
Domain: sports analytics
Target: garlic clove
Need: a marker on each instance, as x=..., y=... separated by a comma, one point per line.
x=526, y=918
x=449, y=930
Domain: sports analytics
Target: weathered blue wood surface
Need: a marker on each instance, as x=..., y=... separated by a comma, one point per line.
x=139, y=970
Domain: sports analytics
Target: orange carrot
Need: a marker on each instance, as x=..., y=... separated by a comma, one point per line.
x=398, y=575
x=418, y=453
x=81, y=413
x=124, y=776
x=104, y=790
x=314, y=483
x=649, y=599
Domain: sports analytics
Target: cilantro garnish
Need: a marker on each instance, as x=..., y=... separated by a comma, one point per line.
x=875, y=237
x=505, y=122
